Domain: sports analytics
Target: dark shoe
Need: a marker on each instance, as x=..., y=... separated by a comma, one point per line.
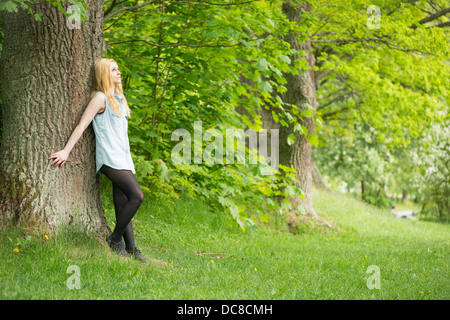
x=136, y=253
x=117, y=247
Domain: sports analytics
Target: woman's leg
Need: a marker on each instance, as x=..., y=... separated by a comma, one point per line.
x=128, y=184
x=119, y=199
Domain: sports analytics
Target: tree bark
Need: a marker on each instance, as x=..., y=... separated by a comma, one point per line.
x=317, y=177
x=46, y=77
x=301, y=90
x=404, y=196
x=362, y=189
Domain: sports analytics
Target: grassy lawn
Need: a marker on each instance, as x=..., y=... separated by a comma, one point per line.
x=196, y=254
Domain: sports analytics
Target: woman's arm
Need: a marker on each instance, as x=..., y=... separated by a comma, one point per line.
x=92, y=109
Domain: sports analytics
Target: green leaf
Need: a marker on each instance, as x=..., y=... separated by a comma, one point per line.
x=145, y=168
x=289, y=190
x=265, y=86
x=298, y=127
x=318, y=122
x=264, y=218
x=307, y=113
x=164, y=172
x=291, y=139
x=313, y=139
x=286, y=204
x=262, y=64
x=301, y=211
x=275, y=116
x=9, y=6
x=285, y=58
x=144, y=188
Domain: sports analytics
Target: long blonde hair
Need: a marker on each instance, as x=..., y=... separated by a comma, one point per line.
x=105, y=84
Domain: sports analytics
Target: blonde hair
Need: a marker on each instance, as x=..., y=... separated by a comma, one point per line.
x=105, y=84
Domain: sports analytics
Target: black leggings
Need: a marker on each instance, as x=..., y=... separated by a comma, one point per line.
x=127, y=198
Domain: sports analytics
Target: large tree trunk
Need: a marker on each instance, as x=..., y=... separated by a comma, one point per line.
x=301, y=90
x=46, y=78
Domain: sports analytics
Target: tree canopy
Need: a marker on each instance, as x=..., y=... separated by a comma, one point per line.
x=381, y=77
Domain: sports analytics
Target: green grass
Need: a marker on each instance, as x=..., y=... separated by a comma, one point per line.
x=196, y=254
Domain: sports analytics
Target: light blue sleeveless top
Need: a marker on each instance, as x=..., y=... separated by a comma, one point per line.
x=111, y=138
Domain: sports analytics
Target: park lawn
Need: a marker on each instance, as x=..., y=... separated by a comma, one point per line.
x=193, y=253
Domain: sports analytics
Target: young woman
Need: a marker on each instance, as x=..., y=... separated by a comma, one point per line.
x=108, y=110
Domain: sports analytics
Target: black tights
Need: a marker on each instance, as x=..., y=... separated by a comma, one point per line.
x=127, y=198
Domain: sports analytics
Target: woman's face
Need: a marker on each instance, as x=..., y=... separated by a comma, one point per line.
x=115, y=73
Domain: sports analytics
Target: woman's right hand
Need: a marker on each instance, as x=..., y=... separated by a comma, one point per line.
x=60, y=157
x=92, y=109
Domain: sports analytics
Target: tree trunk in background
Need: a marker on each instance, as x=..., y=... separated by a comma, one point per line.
x=317, y=177
x=301, y=89
x=46, y=78
x=362, y=189
x=404, y=196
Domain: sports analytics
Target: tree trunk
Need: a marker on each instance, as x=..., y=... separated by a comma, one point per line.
x=362, y=189
x=317, y=177
x=404, y=196
x=301, y=90
x=46, y=78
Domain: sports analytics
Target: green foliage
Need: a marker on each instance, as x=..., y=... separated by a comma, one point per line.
x=381, y=91
x=392, y=78
x=359, y=160
x=14, y=5
x=434, y=166
x=191, y=67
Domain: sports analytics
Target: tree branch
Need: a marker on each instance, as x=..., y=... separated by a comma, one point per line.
x=173, y=45
x=126, y=9
x=218, y=4
x=338, y=98
x=111, y=6
x=329, y=114
x=431, y=17
x=441, y=25
x=115, y=21
x=342, y=41
x=362, y=40
x=321, y=74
